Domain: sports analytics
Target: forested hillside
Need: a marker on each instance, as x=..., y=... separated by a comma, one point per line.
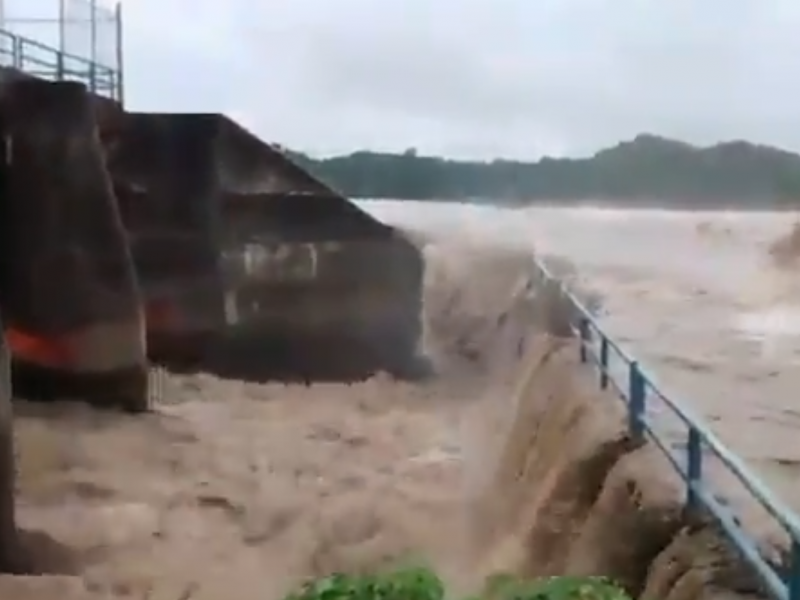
x=648, y=170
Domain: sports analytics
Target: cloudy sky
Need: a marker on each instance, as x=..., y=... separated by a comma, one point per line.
x=468, y=78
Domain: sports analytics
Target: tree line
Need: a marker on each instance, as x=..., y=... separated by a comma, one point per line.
x=647, y=170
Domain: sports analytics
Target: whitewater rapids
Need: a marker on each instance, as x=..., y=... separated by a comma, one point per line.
x=238, y=487
x=698, y=297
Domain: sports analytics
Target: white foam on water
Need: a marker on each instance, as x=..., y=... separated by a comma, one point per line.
x=775, y=329
x=478, y=223
x=770, y=324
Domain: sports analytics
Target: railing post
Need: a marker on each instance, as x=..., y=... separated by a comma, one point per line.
x=120, y=56
x=604, y=362
x=583, y=330
x=17, y=53
x=636, y=402
x=694, y=467
x=793, y=579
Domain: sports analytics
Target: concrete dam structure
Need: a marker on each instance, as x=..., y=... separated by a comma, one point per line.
x=266, y=263
x=237, y=252
x=69, y=295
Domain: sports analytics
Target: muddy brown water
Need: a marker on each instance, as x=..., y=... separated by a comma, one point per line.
x=232, y=486
x=708, y=301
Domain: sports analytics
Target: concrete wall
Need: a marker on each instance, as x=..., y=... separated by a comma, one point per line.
x=67, y=286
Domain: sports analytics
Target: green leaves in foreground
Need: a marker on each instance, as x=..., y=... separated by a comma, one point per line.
x=404, y=584
x=423, y=584
x=504, y=587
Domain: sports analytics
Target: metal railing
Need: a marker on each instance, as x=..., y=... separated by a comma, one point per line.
x=40, y=60
x=636, y=388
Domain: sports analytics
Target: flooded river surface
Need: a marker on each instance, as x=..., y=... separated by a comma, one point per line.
x=695, y=296
x=255, y=487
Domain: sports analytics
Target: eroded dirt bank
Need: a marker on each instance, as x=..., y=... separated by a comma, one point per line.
x=588, y=501
x=507, y=461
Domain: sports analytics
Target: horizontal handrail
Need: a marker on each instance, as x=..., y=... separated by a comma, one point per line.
x=635, y=389
x=40, y=60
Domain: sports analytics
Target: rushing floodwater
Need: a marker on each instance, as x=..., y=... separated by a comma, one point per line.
x=232, y=484
x=693, y=295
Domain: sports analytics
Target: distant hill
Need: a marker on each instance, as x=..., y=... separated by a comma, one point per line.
x=646, y=171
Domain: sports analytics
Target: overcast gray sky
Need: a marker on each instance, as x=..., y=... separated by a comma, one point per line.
x=472, y=78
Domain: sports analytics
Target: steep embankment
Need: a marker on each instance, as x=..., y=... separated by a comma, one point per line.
x=507, y=461
x=579, y=498
x=554, y=485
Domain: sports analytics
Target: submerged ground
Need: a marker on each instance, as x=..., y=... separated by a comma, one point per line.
x=699, y=297
x=247, y=487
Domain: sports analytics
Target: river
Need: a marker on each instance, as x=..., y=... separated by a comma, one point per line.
x=695, y=296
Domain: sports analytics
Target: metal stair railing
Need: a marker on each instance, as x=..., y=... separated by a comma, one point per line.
x=43, y=61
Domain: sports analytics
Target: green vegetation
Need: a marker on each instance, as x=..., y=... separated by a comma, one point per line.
x=422, y=584
x=645, y=171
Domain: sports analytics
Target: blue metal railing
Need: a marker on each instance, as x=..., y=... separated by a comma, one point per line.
x=41, y=60
x=636, y=389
